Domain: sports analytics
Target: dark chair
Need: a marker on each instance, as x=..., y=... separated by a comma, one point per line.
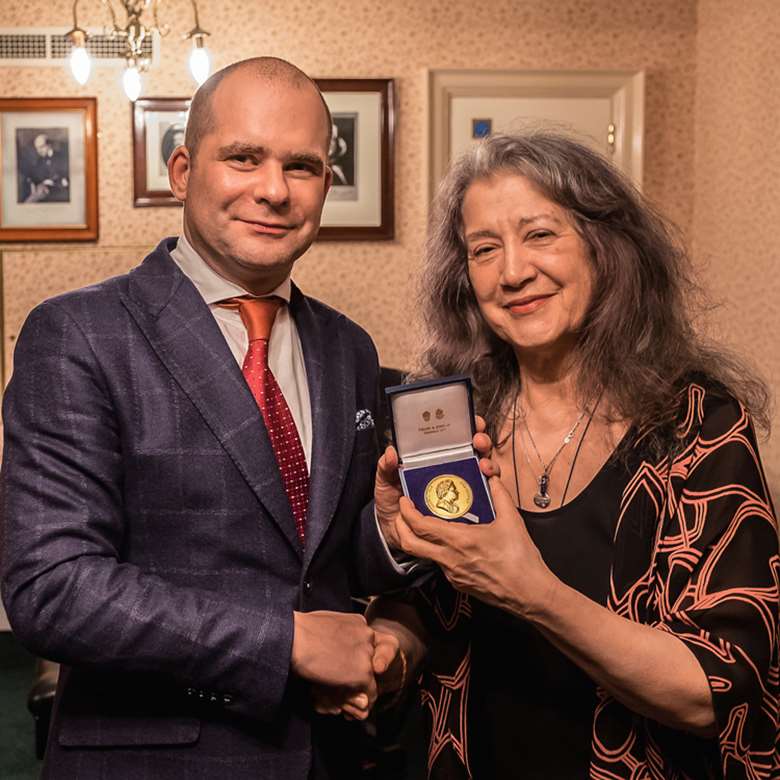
x=40, y=701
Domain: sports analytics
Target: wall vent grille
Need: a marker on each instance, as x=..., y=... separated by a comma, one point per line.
x=100, y=47
x=21, y=46
x=46, y=46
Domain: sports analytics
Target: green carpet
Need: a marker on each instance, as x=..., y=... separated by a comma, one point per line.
x=17, y=736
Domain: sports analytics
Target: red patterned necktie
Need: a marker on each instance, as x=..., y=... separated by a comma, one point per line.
x=258, y=315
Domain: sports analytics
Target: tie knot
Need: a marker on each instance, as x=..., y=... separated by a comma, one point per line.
x=257, y=314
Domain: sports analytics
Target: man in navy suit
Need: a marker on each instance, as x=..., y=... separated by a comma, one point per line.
x=153, y=540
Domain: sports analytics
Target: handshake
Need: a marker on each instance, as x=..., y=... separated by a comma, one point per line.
x=347, y=662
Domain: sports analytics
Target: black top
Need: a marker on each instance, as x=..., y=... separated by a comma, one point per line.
x=530, y=707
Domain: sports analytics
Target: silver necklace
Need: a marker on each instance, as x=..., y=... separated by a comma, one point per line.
x=542, y=498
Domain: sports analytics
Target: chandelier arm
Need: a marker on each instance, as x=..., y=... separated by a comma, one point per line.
x=76, y=36
x=115, y=27
x=162, y=29
x=197, y=29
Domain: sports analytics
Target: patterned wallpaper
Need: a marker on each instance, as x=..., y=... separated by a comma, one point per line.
x=690, y=140
x=737, y=184
x=370, y=281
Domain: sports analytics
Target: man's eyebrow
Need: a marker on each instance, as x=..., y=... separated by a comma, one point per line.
x=314, y=160
x=237, y=147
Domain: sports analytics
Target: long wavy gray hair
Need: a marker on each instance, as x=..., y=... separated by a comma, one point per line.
x=637, y=343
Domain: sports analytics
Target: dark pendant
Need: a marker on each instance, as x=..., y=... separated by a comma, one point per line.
x=542, y=499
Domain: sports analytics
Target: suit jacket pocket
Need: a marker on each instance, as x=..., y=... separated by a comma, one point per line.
x=113, y=709
x=128, y=732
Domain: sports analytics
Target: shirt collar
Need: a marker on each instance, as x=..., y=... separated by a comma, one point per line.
x=209, y=283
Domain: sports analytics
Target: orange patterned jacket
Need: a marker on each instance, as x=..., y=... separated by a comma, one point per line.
x=696, y=554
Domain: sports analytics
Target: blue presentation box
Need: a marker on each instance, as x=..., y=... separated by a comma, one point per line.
x=432, y=423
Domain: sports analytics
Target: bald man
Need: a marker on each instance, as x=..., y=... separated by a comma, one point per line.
x=189, y=458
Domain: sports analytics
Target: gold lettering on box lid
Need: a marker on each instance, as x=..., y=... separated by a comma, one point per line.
x=427, y=430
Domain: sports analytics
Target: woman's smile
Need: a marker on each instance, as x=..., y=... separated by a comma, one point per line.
x=528, y=304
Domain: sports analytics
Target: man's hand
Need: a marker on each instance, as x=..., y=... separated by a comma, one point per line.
x=335, y=649
x=328, y=700
x=388, y=492
x=335, y=700
x=39, y=192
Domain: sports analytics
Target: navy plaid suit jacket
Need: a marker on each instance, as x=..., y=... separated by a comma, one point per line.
x=147, y=542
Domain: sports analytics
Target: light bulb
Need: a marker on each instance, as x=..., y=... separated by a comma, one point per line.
x=200, y=64
x=131, y=82
x=80, y=64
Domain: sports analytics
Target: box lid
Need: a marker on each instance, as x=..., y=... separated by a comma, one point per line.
x=431, y=416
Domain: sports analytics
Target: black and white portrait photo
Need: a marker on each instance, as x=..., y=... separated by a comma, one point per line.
x=159, y=125
x=343, y=156
x=48, y=186
x=172, y=137
x=360, y=152
x=42, y=165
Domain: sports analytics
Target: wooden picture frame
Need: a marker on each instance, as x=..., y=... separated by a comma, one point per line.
x=361, y=203
x=49, y=182
x=158, y=128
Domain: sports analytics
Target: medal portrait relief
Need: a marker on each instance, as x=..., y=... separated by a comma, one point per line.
x=448, y=496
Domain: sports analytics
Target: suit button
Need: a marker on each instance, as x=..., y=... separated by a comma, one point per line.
x=201, y=694
x=307, y=586
x=227, y=698
x=190, y=691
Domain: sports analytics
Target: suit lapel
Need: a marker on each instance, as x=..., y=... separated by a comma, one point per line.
x=329, y=373
x=182, y=331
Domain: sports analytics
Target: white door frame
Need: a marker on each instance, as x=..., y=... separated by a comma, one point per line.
x=625, y=89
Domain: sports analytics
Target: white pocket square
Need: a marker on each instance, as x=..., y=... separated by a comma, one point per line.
x=363, y=420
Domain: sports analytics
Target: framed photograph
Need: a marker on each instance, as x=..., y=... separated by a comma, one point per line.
x=360, y=204
x=158, y=128
x=48, y=189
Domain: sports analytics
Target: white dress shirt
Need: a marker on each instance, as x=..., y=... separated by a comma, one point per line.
x=285, y=354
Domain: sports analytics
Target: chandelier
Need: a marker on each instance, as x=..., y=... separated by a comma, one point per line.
x=134, y=32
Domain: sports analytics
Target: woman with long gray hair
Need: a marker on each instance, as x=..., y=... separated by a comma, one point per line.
x=619, y=617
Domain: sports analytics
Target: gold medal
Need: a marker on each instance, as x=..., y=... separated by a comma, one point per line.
x=448, y=496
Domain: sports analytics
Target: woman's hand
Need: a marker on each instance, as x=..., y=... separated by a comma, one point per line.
x=387, y=487
x=496, y=562
x=649, y=670
x=389, y=663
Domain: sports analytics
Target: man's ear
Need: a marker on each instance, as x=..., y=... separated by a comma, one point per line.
x=179, y=167
x=328, y=179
